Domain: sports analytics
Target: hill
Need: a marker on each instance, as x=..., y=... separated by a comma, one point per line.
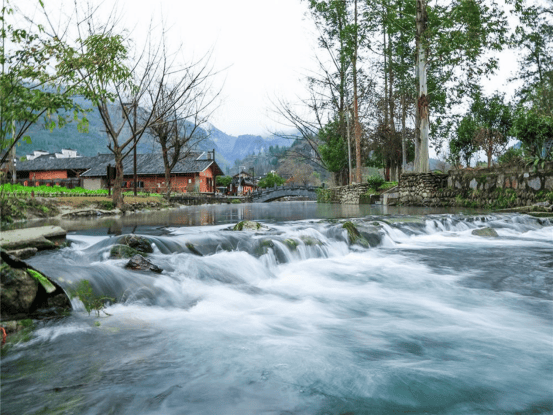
x=228, y=148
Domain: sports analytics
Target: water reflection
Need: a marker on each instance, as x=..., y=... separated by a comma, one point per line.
x=221, y=214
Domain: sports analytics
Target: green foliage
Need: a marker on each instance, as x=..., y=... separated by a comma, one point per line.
x=271, y=180
x=324, y=195
x=375, y=181
x=334, y=149
x=544, y=196
x=91, y=301
x=19, y=189
x=223, y=180
x=236, y=201
x=512, y=156
x=535, y=132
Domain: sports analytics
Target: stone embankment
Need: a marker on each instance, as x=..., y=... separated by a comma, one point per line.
x=493, y=187
x=347, y=195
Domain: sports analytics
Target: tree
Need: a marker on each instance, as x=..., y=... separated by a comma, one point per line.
x=535, y=131
x=488, y=123
x=534, y=38
x=452, y=38
x=33, y=84
x=224, y=180
x=182, y=109
x=463, y=145
x=299, y=171
x=271, y=180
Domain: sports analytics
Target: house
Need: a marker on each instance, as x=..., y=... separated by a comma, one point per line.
x=195, y=173
x=49, y=170
x=242, y=184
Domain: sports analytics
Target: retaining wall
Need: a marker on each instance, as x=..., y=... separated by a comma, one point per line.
x=496, y=186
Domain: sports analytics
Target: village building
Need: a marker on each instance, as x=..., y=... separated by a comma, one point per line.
x=242, y=183
x=195, y=173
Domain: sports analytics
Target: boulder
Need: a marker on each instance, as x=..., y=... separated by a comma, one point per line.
x=18, y=291
x=487, y=232
x=24, y=253
x=122, y=251
x=139, y=263
x=354, y=236
x=141, y=244
x=247, y=225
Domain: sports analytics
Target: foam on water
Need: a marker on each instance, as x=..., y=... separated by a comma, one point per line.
x=296, y=319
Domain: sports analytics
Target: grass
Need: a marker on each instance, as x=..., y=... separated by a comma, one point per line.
x=21, y=190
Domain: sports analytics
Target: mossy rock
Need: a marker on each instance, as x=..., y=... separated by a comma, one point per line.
x=247, y=225
x=18, y=292
x=309, y=241
x=141, y=244
x=487, y=232
x=122, y=251
x=263, y=247
x=291, y=244
x=193, y=249
x=354, y=236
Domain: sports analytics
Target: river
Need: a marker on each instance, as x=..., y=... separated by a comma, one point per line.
x=294, y=319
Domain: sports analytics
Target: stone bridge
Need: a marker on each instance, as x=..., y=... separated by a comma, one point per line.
x=277, y=192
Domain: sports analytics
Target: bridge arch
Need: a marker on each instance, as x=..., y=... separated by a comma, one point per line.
x=274, y=193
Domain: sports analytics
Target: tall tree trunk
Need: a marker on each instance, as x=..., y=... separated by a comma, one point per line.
x=117, y=196
x=403, y=133
x=422, y=158
x=356, y=108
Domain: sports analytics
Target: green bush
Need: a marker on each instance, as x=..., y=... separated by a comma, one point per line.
x=512, y=156
x=90, y=300
x=375, y=181
x=324, y=195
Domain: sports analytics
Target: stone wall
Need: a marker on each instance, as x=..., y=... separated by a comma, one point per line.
x=495, y=187
x=348, y=195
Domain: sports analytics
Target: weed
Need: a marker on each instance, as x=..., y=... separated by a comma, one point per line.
x=90, y=300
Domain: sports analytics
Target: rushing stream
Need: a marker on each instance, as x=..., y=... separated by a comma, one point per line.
x=294, y=319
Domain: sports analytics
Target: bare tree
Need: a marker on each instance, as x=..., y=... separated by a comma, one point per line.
x=184, y=107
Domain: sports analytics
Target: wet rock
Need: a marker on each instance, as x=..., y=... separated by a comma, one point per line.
x=309, y=241
x=291, y=244
x=24, y=253
x=139, y=263
x=488, y=232
x=18, y=291
x=247, y=225
x=193, y=249
x=59, y=301
x=263, y=247
x=141, y=244
x=354, y=235
x=122, y=251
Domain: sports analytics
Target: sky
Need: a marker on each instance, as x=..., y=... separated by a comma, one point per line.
x=262, y=48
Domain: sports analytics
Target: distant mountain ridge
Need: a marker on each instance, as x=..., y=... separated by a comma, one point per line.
x=228, y=148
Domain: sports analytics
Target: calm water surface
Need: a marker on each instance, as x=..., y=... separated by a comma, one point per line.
x=294, y=319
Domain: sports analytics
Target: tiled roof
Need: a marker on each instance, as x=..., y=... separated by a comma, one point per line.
x=146, y=164
x=52, y=163
x=152, y=164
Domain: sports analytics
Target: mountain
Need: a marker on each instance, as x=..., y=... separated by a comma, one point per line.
x=228, y=148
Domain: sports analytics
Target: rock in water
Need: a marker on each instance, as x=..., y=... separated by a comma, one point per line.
x=139, y=263
x=18, y=291
x=122, y=251
x=247, y=225
x=139, y=243
x=489, y=232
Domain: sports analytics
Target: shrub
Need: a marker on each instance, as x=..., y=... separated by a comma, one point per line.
x=90, y=300
x=375, y=181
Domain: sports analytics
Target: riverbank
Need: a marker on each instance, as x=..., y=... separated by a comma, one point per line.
x=20, y=209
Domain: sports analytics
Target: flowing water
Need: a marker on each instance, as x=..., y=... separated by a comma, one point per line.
x=294, y=319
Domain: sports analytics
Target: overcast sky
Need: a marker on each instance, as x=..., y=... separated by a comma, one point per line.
x=264, y=47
